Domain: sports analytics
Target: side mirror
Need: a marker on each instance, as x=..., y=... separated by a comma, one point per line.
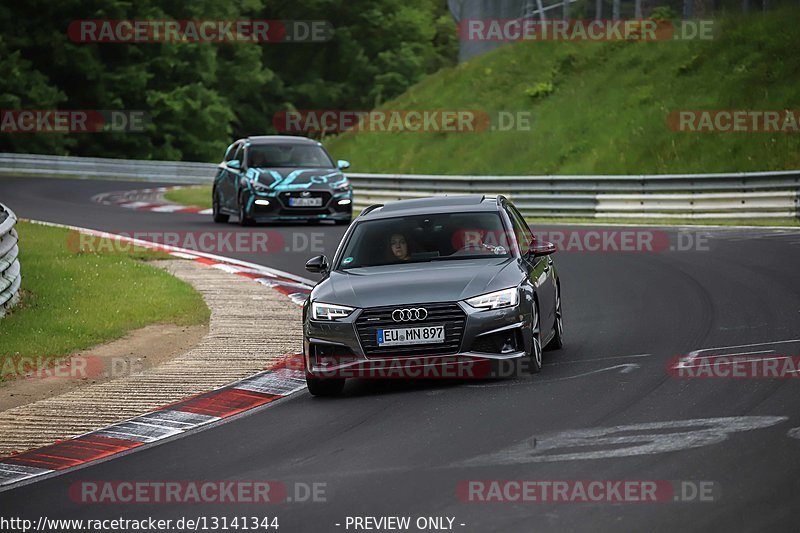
x=542, y=248
x=318, y=264
x=342, y=164
x=234, y=164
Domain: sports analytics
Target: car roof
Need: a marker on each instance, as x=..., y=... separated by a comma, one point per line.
x=436, y=204
x=280, y=139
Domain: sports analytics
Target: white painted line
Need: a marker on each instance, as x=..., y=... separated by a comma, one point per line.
x=183, y=255
x=183, y=418
x=599, y=359
x=696, y=353
x=622, y=441
x=135, y=205
x=227, y=268
x=139, y=432
x=743, y=346
x=206, y=212
x=167, y=208
x=282, y=382
x=737, y=362
x=10, y=473
x=625, y=368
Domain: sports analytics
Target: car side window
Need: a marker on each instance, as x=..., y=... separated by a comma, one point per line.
x=239, y=155
x=229, y=152
x=521, y=230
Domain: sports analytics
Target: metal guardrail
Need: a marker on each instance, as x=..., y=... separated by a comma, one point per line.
x=734, y=195
x=106, y=168
x=739, y=195
x=10, y=278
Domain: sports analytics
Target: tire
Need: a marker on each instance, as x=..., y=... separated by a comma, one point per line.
x=324, y=387
x=557, y=342
x=244, y=220
x=219, y=218
x=534, y=359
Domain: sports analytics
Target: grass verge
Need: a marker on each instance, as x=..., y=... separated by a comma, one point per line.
x=605, y=108
x=75, y=300
x=196, y=195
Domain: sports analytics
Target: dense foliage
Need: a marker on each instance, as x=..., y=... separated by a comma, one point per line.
x=199, y=96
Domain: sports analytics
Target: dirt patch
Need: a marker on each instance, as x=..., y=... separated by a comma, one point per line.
x=140, y=350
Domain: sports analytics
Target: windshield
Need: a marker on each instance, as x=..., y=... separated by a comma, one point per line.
x=288, y=155
x=423, y=238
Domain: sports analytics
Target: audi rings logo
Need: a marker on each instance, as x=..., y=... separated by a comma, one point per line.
x=409, y=315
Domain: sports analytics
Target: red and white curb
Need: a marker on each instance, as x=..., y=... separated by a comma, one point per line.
x=278, y=381
x=147, y=200
x=281, y=380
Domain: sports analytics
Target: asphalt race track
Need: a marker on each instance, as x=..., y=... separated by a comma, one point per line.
x=402, y=448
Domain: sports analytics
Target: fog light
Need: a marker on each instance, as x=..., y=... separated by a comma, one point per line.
x=262, y=202
x=344, y=202
x=508, y=346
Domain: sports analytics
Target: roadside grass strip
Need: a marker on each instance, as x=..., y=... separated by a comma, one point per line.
x=65, y=305
x=196, y=195
x=295, y=287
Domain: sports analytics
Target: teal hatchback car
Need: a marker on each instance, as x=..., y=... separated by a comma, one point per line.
x=281, y=178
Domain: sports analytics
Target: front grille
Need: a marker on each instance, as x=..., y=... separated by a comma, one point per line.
x=448, y=314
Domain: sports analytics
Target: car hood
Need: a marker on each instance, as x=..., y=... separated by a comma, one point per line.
x=292, y=179
x=441, y=281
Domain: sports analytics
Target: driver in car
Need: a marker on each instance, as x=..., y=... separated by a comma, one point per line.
x=399, y=247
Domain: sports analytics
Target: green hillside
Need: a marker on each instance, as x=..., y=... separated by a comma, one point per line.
x=601, y=108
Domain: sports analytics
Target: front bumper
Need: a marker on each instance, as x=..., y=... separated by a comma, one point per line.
x=335, y=206
x=335, y=349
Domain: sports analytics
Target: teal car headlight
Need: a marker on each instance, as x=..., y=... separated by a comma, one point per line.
x=258, y=186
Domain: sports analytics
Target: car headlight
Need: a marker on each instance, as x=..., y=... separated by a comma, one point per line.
x=495, y=300
x=322, y=311
x=342, y=187
x=257, y=185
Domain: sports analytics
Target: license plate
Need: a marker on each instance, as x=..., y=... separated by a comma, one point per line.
x=305, y=202
x=419, y=335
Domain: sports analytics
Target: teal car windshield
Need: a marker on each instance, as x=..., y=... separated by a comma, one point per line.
x=288, y=156
x=425, y=238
